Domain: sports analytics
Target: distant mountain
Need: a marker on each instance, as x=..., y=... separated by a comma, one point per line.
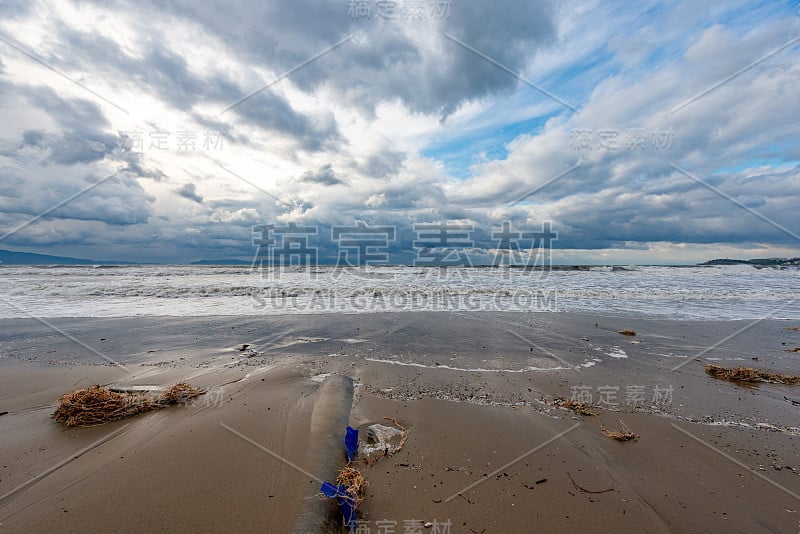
x=8, y=257
x=221, y=262
x=782, y=262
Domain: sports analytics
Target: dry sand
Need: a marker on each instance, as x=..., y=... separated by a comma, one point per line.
x=486, y=451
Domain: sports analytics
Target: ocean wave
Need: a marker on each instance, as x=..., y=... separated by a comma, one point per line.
x=728, y=292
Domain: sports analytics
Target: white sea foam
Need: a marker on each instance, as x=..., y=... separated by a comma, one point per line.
x=617, y=352
x=465, y=369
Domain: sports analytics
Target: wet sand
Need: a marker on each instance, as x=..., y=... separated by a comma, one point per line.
x=474, y=390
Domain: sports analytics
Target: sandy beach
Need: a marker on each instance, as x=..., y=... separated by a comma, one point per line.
x=487, y=449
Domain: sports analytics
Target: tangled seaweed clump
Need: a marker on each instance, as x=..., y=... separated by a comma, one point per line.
x=355, y=484
x=578, y=407
x=748, y=374
x=179, y=393
x=97, y=405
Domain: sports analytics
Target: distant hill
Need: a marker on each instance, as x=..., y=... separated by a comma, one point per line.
x=8, y=257
x=221, y=262
x=758, y=261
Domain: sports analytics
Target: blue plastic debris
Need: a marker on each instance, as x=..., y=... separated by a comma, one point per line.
x=351, y=442
x=344, y=501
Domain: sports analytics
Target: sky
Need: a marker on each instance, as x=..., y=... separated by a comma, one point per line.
x=645, y=133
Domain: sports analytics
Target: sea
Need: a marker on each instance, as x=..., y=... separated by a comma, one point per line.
x=715, y=292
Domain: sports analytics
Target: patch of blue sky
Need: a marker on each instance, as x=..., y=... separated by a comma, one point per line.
x=460, y=152
x=749, y=15
x=575, y=82
x=754, y=163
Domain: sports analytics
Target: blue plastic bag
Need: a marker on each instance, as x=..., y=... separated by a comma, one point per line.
x=351, y=442
x=344, y=501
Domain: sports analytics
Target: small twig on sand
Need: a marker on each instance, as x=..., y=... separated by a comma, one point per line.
x=794, y=402
x=584, y=490
x=624, y=435
x=462, y=496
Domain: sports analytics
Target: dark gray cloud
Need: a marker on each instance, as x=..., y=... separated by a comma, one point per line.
x=71, y=148
x=118, y=200
x=384, y=164
x=81, y=147
x=271, y=112
x=156, y=69
x=10, y=9
x=190, y=191
x=215, y=125
x=324, y=175
x=34, y=138
x=165, y=73
x=392, y=62
x=135, y=165
x=73, y=114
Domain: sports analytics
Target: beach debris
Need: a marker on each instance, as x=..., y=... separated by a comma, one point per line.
x=396, y=423
x=244, y=347
x=351, y=443
x=794, y=329
x=351, y=486
x=624, y=435
x=344, y=500
x=794, y=402
x=578, y=407
x=584, y=490
x=748, y=374
x=796, y=349
x=383, y=435
x=97, y=405
x=627, y=332
x=383, y=440
x=178, y=394
x=541, y=481
x=3, y=413
x=352, y=479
